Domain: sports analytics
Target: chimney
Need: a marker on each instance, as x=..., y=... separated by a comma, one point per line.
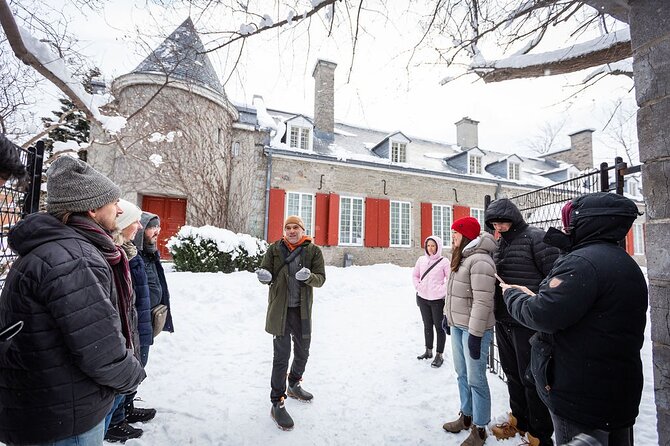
x=466, y=133
x=324, y=99
x=581, y=150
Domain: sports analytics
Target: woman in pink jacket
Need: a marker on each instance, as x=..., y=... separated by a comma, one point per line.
x=430, y=276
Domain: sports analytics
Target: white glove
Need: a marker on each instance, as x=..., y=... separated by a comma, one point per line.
x=303, y=274
x=264, y=276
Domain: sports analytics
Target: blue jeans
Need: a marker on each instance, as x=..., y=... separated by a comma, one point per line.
x=93, y=437
x=118, y=401
x=119, y=414
x=565, y=430
x=473, y=387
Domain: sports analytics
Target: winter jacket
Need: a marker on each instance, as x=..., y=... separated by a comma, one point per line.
x=273, y=261
x=61, y=372
x=591, y=312
x=522, y=257
x=469, y=302
x=155, y=276
x=138, y=274
x=433, y=286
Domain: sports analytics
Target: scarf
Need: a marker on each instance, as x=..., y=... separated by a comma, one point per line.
x=130, y=249
x=291, y=247
x=117, y=260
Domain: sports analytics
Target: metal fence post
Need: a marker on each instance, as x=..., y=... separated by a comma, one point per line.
x=604, y=178
x=619, y=169
x=35, y=161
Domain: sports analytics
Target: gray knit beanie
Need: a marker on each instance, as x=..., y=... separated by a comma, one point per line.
x=74, y=186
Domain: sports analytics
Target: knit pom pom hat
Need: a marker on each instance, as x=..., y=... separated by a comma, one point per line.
x=468, y=227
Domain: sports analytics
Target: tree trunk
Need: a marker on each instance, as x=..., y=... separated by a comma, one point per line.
x=650, y=36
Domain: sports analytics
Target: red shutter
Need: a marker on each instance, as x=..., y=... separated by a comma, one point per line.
x=276, y=215
x=426, y=221
x=630, y=242
x=461, y=211
x=383, y=228
x=371, y=222
x=333, y=215
x=321, y=220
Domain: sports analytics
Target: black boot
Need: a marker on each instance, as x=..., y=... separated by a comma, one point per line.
x=296, y=391
x=137, y=414
x=281, y=416
x=427, y=355
x=437, y=362
x=122, y=432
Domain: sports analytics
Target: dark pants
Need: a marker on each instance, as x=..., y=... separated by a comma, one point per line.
x=531, y=413
x=566, y=430
x=431, y=313
x=282, y=352
x=119, y=414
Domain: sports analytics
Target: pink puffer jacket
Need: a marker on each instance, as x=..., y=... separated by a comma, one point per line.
x=433, y=286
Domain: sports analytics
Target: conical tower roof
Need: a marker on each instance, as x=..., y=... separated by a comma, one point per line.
x=182, y=56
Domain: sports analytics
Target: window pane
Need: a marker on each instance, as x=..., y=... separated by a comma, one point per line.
x=357, y=221
x=345, y=220
x=294, y=137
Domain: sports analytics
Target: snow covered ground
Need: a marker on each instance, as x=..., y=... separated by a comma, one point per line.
x=210, y=380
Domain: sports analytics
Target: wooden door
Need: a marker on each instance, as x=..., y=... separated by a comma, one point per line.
x=172, y=212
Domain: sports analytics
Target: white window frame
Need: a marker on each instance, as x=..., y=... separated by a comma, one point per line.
x=443, y=210
x=303, y=137
x=398, y=152
x=478, y=213
x=475, y=163
x=307, y=216
x=404, y=234
x=513, y=171
x=638, y=239
x=347, y=239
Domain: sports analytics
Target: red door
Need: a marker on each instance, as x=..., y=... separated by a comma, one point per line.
x=172, y=212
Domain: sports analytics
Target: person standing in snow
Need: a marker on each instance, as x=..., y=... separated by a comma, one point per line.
x=293, y=267
x=469, y=313
x=430, y=276
x=522, y=258
x=60, y=375
x=590, y=314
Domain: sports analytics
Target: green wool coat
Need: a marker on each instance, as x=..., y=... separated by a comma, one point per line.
x=273, y=261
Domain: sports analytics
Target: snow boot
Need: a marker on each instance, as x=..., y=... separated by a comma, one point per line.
x=462, y=423
x=122, y=432
x=477, y=437
x=296, y=391
x=427, y=355
x=281, y=416
x=508, y=429
x=437, y=362
x=137, y=414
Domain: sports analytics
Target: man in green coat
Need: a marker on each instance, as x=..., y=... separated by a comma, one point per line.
x=291, y=266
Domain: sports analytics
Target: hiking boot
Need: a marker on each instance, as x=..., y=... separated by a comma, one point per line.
x=122, y=432
x=508, y=429
x=477, y=437
x=427, y=355
x=296, y=391
x=281, y=416
x=140, y=415
x=462, y=423
x=437, y=362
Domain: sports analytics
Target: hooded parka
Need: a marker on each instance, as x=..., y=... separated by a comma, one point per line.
x=432, y=286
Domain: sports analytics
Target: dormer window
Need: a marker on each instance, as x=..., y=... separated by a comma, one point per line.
x=513, y=170
x=398, y=152
x=474, y=163
x=300, y=137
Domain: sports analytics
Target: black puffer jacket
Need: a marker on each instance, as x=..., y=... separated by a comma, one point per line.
x=60, y=374
x=522, y=257
x=591, y=312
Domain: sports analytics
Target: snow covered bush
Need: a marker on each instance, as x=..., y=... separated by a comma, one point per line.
x=212, y=249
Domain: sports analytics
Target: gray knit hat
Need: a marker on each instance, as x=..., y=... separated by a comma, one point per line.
x=74, y=186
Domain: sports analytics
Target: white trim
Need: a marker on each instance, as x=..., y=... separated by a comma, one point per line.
x=638, y=239
x=409, y=229
x=313, y=210
x=401, y=144
x=447, y=230
x=300, y=129
x=481, y=163
x=339, y=221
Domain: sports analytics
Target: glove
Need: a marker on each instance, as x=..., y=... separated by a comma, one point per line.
x=445, y=326
x=475, y=346
x=264, y=276
x=303, y=274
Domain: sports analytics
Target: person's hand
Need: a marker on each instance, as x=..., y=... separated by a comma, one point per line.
x=303, y=274
x=522, y=288
x=264, y=276
x=475, y=346
x=445, y=326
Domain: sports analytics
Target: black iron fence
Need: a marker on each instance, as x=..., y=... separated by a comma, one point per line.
x=18, y=199
x=542, y=208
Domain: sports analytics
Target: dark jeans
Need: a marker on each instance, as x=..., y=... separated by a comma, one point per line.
x=282, y=353
x=531, y=413
x=431, y=313
x=566, y=430
x=119, y=413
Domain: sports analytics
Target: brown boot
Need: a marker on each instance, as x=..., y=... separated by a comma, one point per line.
x=506, y=430
x=477, y=437
x=462, y=423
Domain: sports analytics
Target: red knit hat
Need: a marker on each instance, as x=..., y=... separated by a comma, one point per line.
x=566, y=214
x=468, y=227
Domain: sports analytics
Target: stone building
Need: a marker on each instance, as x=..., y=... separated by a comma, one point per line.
x=366, y=196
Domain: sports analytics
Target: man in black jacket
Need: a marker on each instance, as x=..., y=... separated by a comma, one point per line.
x=524, y=259
x=59, y=377
x=590, y=314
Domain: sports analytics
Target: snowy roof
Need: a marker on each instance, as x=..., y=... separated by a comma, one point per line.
x=182, y=56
